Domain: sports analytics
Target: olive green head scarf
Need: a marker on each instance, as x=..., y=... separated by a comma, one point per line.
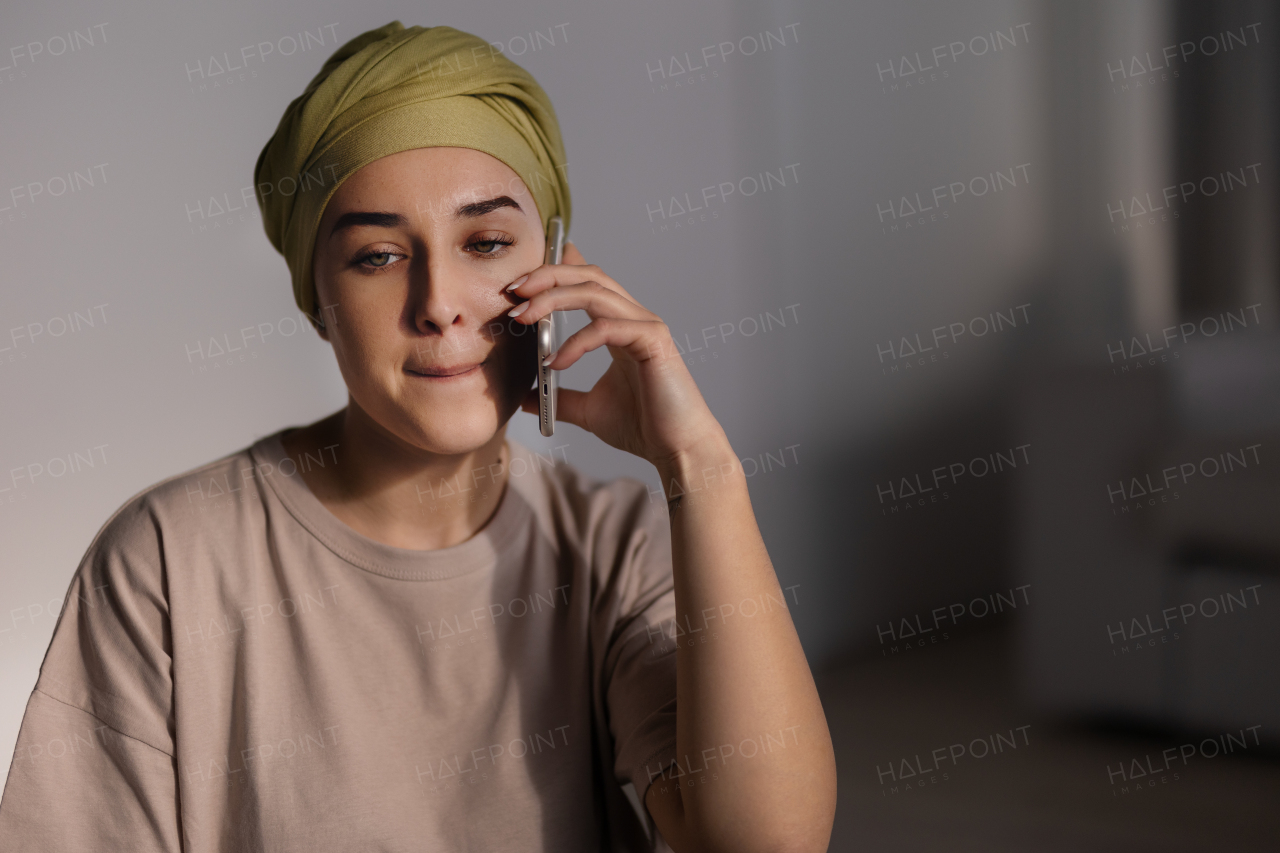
x=394, y=89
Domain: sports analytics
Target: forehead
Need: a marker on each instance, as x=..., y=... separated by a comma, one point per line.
x=428, y=180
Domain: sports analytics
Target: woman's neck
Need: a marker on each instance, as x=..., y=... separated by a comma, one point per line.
x=394, y=493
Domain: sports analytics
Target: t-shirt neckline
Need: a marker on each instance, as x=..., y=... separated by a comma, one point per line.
x=271, y=464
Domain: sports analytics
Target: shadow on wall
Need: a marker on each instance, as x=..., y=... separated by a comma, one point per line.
x=913, y=523
x=1151, y=533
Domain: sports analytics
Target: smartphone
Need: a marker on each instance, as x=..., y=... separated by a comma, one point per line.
x=547, y=337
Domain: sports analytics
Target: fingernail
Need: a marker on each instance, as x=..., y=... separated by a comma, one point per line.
x=518, y=309
x=521, y=280
x=549, y=358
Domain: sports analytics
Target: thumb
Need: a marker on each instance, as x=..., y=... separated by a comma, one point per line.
x=572, y=255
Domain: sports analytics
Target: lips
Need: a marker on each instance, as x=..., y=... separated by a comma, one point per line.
x=444, y=371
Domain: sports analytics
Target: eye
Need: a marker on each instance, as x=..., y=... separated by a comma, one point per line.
x=377, y=260
x=489, y=245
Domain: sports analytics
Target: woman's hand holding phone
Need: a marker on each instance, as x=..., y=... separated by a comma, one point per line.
x=646, y=403
x=754, y=675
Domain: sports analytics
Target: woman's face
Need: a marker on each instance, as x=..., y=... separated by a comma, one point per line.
x=411, y=261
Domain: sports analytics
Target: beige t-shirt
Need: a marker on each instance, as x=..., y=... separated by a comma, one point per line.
x=236, y=670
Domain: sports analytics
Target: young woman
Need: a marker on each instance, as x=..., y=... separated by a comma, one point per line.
x=395, y=628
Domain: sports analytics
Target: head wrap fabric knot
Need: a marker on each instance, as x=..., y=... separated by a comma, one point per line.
x=394, y=89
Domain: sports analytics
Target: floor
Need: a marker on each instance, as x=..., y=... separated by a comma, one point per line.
x=1049, y=792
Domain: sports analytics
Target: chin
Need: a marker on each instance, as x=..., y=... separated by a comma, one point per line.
x=456, y=431
x=457, y=417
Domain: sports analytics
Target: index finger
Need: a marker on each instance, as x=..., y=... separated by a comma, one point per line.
x=551, y=275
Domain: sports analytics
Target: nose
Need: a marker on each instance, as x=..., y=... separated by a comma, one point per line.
x=438, y=294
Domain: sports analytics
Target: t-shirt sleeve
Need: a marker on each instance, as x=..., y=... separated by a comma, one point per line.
x=640, y=663
x=94, y=768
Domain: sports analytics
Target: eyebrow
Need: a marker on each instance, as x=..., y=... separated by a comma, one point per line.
x=362, y=217
x=380, y=219
x=480, y=208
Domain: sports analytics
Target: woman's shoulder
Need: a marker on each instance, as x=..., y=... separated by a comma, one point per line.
x=119, y=602
x=177, y=505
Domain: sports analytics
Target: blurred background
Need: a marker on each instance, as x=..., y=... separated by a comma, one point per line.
x=984, y=293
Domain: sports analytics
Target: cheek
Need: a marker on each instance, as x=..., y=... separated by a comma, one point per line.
x=516, y=342
x=366, y=335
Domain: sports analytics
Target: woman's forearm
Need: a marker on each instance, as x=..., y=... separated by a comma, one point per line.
x=757, y=769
